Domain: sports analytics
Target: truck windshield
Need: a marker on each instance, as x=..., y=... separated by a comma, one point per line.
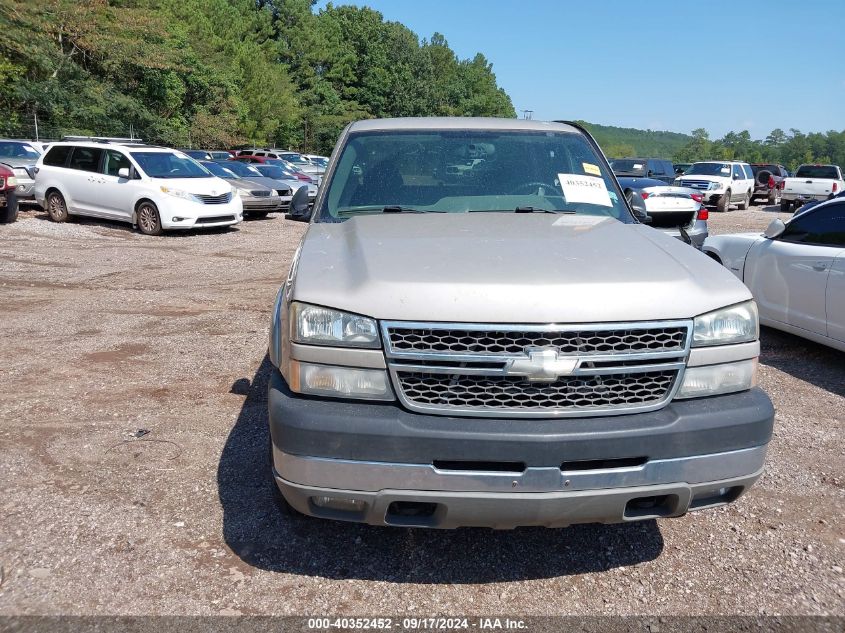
x=709, y=169
x=465, y=171
x=817, y=171
x=629, y=167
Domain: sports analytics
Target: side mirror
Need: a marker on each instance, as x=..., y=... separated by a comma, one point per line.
x=775, y=229
x=300, y=210
x=123, y=173
x=638, y=207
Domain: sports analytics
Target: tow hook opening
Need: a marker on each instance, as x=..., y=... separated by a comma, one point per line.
x=412, y=513
x=653, y=506
x=715, y=497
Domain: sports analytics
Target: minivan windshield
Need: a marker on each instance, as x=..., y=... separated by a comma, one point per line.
x=169, y=165
x=709, y=169
x=465, y=171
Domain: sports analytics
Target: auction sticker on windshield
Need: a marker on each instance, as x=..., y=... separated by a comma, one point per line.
x=588, y=189
x=591, y=169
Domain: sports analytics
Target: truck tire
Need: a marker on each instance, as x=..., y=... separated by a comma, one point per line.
x=724, y=203
x=785, y=206
x=774, y=197
x=56, y=207
x=746, y=202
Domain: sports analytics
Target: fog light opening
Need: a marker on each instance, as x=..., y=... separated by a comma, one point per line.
x=338, y=503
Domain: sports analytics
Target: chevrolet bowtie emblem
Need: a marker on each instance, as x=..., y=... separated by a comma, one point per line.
x=541, y=365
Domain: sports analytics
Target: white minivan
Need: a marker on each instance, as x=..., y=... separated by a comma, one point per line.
x=154, y=188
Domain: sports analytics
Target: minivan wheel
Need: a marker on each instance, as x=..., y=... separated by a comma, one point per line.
x=56, y=207
x=148, y=220
x=724, y=203
x=746, y=202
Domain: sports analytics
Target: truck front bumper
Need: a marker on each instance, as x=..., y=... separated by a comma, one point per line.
x=380, y=464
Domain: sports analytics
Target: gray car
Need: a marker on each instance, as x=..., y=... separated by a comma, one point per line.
x=509, y=349
x=278, y=173
x=248, y=172
x=677, y=211
x=21, y=156
x=257, y=199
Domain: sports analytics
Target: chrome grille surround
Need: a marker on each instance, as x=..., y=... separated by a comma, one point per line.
x=465, y=369
x=223, y=198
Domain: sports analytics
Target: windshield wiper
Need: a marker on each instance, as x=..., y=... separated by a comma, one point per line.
x=539, y=210
x=395, y=208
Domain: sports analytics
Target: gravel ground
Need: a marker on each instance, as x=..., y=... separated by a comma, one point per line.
x=108, y=332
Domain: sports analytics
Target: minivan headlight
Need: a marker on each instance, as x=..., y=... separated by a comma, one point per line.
x=735, y=324
x=316, y=325
x=176, y=193
x=713, y=186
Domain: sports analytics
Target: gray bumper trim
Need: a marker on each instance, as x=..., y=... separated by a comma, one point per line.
x=375, y=476
x=507, y=510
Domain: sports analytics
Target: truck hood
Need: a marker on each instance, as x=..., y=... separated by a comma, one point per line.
x=507, y=268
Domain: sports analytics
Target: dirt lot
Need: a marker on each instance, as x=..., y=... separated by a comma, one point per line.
x=106, y=332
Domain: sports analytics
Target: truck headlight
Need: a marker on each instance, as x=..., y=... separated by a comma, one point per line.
x=316, y=325
x=339, y=382
x=735, y=324
x=714, y=186
x=712, y=380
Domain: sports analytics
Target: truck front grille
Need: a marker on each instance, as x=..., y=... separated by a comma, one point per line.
x=536, y=371
x=695, y=184
x=459, y=341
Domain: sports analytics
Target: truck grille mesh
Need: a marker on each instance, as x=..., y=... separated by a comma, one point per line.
x=506, y=342
x=512, y=393
x=535, y=370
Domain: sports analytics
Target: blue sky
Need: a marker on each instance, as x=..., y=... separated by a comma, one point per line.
x=661, y=65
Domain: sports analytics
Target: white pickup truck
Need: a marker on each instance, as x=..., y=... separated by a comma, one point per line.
x=811, y=182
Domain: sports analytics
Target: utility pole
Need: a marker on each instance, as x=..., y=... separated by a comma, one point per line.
x=35, y=114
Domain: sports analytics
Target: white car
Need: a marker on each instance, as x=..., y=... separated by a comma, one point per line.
x=154, y=188
x=722, y=183
x=796, y=271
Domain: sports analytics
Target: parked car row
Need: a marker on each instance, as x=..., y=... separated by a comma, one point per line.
x=724, y=184
x=124, y=179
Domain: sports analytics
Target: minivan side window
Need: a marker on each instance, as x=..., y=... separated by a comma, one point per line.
x=825, y=226
x=738, y=173
x=113, y=162
x=57, y=156
x=86, y=158
x=748, y=173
